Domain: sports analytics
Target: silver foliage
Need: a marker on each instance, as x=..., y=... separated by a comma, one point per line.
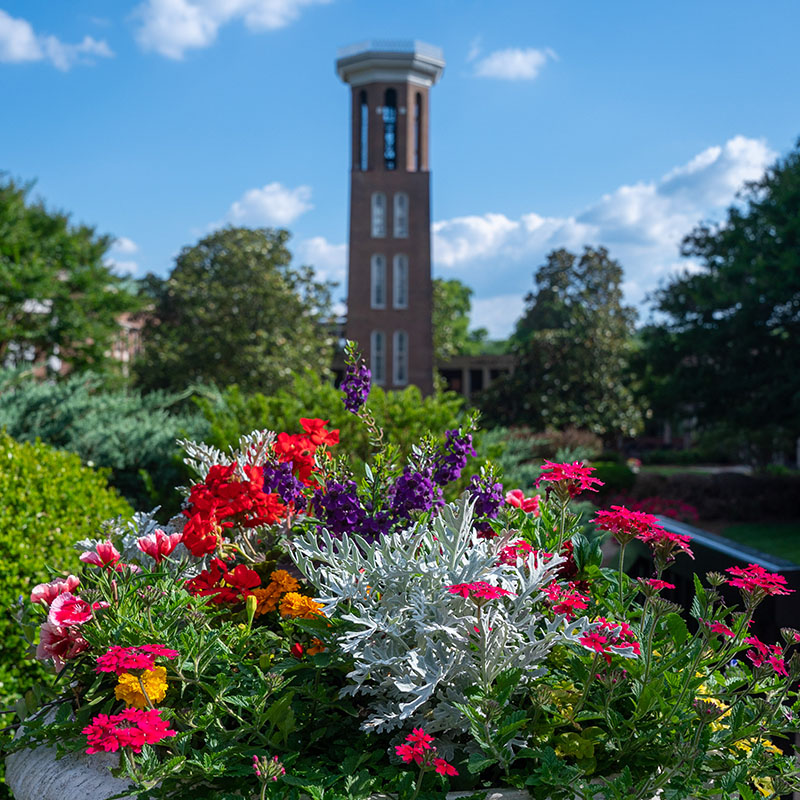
x=413, y=644
x=252, y=448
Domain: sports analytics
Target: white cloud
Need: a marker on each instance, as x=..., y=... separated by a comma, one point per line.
x=494, y=313
x=20, y=43
x=641, y=224
x=273, y=204
x=125, y=247
x=171, y=27
x=514, y=63
x=329, y=260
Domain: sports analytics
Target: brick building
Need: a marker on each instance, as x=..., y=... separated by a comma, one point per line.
x=390, y=296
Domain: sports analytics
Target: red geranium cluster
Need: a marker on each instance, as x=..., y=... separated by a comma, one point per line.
x=120, y=659
x=566, y=600
x=421, y=751
x=223, y=500
x=130, y=728
x=754, y=578
x=300, y=448
x=575, y=477
x=609, y=637
x=223, y=585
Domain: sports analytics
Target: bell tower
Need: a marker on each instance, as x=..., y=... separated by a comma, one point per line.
x=390, y=293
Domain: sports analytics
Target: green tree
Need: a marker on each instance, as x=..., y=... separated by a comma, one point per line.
x=234, y=310
x=451, y=333
x=57, y=296
x=571, y=348
x=726, y=348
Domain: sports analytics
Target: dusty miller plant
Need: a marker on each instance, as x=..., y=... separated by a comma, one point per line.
x=416, y=647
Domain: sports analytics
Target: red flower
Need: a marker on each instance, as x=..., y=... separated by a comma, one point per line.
x=68, y=609
x=418, y=736
x=120, y=659
x=530, y=505
x=296, y=650
x=200, y=534
x=479, y=590
x=624, y=524
x=222, y=585
x=610, y=637
x=566, y=601
x=443, y=768
x=300, y=451
x=45, y=593
x=104, y=555
x=60, y=643
x=315, y=428
x=130, y=728
x=657, y=583
x=754, y=578
x=158, y=545
x=664, y=544
x=410, y=752
x=576, y=477
x=724, y=630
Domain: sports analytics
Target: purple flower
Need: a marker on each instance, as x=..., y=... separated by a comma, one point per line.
x=338, y=507
x=452, y=459
x=356, y=386
x=278, y=479
x=487, y=496
x=415, y=491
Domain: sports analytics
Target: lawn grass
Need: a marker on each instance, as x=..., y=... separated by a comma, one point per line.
x=778, y=538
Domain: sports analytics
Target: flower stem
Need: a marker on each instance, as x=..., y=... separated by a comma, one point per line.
x=144, y=692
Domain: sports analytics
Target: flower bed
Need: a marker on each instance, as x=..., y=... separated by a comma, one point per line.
x=303, y=631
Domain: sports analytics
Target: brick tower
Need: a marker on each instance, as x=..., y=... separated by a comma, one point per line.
x=390, y=294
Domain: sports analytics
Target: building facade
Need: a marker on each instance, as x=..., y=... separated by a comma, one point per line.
x=390, y=294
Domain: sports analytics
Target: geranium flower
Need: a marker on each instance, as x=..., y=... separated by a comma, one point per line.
x=104, y=555
x=298, y=606
x=158, y=545
x=120, y=659
x=315, y=428
x=530, y=505
x=754, y=578
x=576, y=477
x=222, y=585
x=478, y=590
x=129, y=690
x=45, y=593
x=131, y=728
x=60, y=643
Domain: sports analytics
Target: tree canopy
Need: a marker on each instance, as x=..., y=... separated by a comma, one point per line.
x=726, y=345
x=571, y=348
x=234, y=310
x=57, y=295
x=451, y=309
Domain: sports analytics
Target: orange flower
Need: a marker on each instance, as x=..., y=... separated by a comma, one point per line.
x=284, y=581
x=268, y=598
x=315, y=647
x=298, y=605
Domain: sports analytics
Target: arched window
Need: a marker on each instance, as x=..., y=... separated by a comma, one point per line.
x=400, y=281
x=417, y=131
x=363, y=134
x=400, y=358
x=378, y=281
x=390, y=129
x=401, y=215
x=378, y=215
x=377, y=356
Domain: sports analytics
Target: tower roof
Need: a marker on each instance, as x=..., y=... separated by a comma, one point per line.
x=385, y=60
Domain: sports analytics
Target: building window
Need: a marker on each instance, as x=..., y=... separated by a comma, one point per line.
x=417, y=130
x=378, y=215
x=401, y=215
x=377, y=356
x=390, y=129
x=400, y=281
x=378, y=287
x=400, y=358
x=363, y=137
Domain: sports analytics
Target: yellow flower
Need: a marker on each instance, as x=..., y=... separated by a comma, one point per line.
x=298, y=605
x=764, y=786
x=155, y=684
x=284, y=581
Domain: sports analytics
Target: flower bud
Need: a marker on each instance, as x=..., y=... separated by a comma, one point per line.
x=252, y=604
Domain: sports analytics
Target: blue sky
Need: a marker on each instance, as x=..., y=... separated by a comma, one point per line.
x=555, y=124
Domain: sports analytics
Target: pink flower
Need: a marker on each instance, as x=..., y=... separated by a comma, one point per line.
x=724, y=630
x=60, y=643
x=132, y=728
x=657, y=583
x=104, y=555
x=418, y=736
x=120, y=659
x=45, y=593
x=754, y=578
x=664, y=544
x=576, y=477
x=530, y=505
x=610, y=637
x=443, y=768
x=410, y=752
x=478, y=590
x=158, y=545
x=624, y=524
x=567, y=601
x=68, y=609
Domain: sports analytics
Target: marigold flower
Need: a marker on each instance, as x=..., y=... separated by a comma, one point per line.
x=129, y=689
x=131, y=728
x=754, y=578
x=120, y=659
x=315, y=647
x=296, y=605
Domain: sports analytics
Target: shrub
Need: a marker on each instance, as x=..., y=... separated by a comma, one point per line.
x=132, y=435
x=616, y=477
x=49, y=501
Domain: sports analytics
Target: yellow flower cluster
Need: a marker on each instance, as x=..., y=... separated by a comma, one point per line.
x=130, y=690
x=298, y=605
x=280, y=583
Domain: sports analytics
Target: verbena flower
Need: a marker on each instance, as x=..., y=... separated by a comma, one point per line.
x=120, y=659
x=754, y=578
x=625, y=525
x=480, y=590
x=131, y=728
x=129, y=688
x=268, y=769
x=665, y=544
x=576, y=477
